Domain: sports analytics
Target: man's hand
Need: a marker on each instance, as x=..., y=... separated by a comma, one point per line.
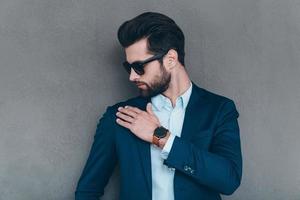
x=141, y=123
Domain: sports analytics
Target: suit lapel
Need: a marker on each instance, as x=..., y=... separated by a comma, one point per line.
x=192, y=112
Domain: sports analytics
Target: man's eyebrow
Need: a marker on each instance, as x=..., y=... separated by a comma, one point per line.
x=140, y=60
x=130, y=62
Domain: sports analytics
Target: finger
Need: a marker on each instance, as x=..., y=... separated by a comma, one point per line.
x=125, y=117
x=123, y=123
x=149, y=109
x=134, y=109
x=129, y=112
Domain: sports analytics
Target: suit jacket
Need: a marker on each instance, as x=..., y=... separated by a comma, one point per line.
x=207, y=157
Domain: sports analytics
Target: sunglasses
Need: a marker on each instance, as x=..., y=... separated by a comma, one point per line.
x=138, y=66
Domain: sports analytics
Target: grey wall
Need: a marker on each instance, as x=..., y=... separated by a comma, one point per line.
x=60, y=68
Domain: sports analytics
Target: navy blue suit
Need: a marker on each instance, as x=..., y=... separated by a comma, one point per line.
x=207, y=157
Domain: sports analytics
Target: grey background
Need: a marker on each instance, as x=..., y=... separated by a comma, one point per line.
x=60, y=68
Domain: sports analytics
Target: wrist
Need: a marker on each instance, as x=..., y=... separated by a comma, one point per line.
x=164, y=140
x=158, y=134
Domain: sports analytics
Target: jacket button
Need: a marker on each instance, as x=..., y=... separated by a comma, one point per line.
x=186, y=168
x=172, y=169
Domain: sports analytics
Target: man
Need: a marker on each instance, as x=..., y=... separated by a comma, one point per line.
x=173, y=141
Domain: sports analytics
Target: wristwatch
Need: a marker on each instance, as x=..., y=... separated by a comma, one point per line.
x=159, y=133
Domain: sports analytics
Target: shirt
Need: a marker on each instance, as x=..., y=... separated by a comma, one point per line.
x=172, y=119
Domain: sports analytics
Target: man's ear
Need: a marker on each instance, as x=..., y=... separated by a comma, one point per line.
x=171, y=59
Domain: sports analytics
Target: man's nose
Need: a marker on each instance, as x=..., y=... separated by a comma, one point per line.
x=133, y=75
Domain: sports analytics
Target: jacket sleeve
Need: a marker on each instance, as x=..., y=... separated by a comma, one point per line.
x=101, y=161
x=219, y=168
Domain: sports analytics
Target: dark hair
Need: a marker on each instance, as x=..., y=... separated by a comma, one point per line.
x=161, y=31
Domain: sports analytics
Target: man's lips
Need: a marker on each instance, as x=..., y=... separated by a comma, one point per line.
x=140, y=85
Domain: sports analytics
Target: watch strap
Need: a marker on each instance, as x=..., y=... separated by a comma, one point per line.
x=155, y=140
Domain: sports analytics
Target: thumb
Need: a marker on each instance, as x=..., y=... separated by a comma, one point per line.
x=149, y=108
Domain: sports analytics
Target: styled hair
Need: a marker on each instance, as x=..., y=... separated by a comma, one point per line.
x=161, y=31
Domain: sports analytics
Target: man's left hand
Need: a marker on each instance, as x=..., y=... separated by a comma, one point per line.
x=141, y=123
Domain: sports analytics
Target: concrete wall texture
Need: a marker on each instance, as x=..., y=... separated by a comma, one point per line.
x=60, y=68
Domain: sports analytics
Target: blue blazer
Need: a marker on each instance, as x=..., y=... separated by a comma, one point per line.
x=207, y=157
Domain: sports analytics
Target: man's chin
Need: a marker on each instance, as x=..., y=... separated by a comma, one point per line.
x=147, y=93
x=143, y=93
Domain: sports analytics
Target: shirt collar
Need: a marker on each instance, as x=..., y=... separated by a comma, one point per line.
x=160, y=101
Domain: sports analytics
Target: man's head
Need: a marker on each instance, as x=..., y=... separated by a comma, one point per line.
x=148, y=35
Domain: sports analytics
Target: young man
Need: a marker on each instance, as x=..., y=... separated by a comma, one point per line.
x=173, y=141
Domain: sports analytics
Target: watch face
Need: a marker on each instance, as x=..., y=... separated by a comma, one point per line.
x=160, y=132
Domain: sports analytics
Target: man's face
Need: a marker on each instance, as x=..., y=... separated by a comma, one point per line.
x=156, y=78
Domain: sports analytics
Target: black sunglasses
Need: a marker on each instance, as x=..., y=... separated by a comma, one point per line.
x=138, y=66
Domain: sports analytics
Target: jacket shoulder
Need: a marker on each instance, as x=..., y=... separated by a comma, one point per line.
x=213, y=97
x=131, y=101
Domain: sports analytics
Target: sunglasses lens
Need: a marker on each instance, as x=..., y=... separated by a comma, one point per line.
x=127, y=67
x=138, y=68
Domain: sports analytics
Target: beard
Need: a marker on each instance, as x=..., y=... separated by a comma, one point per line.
x=159, y=84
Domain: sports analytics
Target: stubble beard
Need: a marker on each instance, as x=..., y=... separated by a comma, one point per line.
x=159, y=84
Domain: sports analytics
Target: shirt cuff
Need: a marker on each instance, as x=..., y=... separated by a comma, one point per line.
x=168, y=145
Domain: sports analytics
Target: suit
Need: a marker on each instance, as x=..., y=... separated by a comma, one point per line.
x=207, y=157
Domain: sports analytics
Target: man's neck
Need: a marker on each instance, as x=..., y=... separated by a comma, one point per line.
x=178, y=85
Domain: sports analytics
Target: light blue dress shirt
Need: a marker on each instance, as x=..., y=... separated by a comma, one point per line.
x=172, y=119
